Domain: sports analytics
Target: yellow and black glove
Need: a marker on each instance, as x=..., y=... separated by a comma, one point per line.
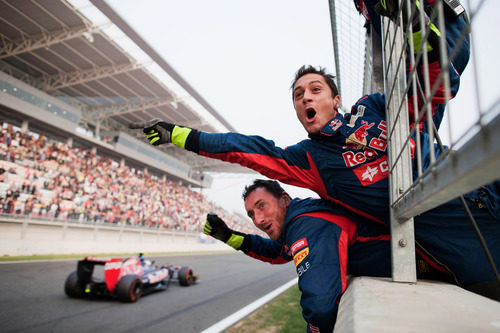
x=390, y=8
x=217, y=228
x=159, y=132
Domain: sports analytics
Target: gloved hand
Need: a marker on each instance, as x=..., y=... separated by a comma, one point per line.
x=217, y=228
x=157, y=131
x=387, y=8
x=390, y=8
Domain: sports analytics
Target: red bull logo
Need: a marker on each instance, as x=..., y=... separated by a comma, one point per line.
x=357, y=140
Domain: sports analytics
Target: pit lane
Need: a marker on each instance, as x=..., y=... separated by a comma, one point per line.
x=33, y=298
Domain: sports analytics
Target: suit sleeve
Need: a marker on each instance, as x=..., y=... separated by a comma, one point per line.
x=320, y=257
x=293, y=165
x=265, y=249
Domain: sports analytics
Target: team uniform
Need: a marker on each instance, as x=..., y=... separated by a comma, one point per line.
x=326, y=243
x=457, y=37
x=317, y=238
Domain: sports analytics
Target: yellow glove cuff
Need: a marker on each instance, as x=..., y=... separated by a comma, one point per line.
x=179, y=135
x=235, y=241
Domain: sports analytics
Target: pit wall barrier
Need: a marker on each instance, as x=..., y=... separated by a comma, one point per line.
x=375, y=305
x=25, y=236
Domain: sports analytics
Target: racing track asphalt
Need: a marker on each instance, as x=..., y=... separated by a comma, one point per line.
x=33, y=300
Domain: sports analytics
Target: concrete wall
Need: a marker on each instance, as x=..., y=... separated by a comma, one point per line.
x=379, y=305
x=19, y=236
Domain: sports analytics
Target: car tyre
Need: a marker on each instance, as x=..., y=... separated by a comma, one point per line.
x=73, y=287
x=129, y=288
x=186, y=277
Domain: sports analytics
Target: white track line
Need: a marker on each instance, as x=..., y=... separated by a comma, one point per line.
x=238, y=315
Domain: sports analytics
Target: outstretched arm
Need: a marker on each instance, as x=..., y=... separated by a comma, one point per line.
x=257, y=247
x=292, y=166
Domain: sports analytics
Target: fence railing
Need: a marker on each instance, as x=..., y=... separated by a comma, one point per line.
x=468, y=163
x=396, y=63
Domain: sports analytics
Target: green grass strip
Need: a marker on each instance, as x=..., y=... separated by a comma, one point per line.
x=281, y=315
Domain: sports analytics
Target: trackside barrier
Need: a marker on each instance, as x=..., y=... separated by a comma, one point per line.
x=377, y=305
x=24, y=236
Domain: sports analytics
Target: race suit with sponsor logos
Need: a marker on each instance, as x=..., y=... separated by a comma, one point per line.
x=346, y=163
x=326, y=243
x=317, y=237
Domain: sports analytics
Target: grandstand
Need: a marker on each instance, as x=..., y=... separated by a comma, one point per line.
x=69, y=78
x=69, y=86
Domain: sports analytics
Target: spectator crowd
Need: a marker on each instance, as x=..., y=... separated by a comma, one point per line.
x=44, y=178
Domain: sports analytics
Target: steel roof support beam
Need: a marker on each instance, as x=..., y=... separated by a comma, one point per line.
x=63, y=80
x=9, y=48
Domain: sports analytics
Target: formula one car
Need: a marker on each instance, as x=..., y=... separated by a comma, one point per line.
x=126, y=279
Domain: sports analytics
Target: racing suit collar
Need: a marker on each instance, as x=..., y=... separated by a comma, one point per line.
x=331, y=128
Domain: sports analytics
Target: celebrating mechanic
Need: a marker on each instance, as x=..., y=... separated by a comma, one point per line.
x=317, y=236
x=311, y=232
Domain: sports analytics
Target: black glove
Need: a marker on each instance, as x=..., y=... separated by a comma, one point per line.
x=217, y=228
x=390, y=8
x=157, y=131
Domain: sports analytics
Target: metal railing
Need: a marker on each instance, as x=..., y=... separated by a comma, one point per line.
x=466, y=164
x=396, y=64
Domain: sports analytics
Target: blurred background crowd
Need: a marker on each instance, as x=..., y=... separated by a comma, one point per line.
x=43, y=178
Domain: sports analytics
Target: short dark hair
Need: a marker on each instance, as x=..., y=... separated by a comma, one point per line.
x=308, y=69
x=271, y=186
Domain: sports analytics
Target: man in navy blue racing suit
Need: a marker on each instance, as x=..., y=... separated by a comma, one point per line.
x=324, y=241
x=345, y=161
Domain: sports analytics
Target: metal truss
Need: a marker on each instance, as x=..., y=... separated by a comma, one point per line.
x=9, y=48
x=63, y=80
x=400, y=174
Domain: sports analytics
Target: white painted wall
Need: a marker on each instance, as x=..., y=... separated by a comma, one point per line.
x=28, y=237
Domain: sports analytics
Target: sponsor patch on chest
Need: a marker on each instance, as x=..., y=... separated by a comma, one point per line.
x=372, y=172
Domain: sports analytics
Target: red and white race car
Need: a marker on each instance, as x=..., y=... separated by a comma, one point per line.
x=126, y=279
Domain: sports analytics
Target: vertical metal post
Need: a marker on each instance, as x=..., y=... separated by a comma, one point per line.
x=377, y=73
x=400, y=169
x=333, y=21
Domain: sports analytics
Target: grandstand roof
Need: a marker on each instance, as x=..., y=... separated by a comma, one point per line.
x=84, y=53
